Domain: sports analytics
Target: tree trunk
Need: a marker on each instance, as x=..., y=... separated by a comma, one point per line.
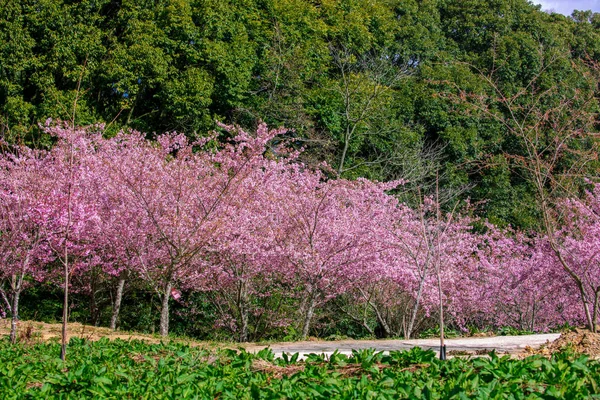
x=5, y=300
x=383, y=323
x=244, y=324
x=413, y=316
x=549, y=227
x=344, y=152
x=380, y=319
x=15, y=315
x=595, y=310
x=243, y=309
x=130, y=113
x=17, y=287
x=310, y=310
x=164, y=312
x=440, y=293
x=65, y=260
x=65, y=316
x=117, y=304
x=532, y=323
x=94, y=311
x=578, y=282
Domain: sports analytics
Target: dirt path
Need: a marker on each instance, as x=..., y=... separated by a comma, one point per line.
x=40, y=331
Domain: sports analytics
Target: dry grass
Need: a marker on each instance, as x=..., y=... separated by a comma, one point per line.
x=33, y=331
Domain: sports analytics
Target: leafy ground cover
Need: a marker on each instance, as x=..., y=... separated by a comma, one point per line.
x=134, y=369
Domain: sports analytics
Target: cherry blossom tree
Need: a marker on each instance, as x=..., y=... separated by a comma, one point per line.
x=179, y=201
x=156, y=190
x=579, y=244
x=121, y=231
x=246, y=266
x=22, y=248
x=413, y=253
x=521, y=283
x=69, y=211
x=437, y=249
x=328, y=236
x=405, y=276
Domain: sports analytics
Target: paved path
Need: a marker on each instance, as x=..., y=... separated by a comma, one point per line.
x=502, y=344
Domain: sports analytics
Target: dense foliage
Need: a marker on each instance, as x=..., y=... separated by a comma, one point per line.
x=358, y=80
x=121, y=369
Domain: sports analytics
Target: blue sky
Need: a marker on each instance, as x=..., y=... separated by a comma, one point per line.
x=566, y=7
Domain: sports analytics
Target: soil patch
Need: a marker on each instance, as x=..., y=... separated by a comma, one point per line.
x=580, y=341
x=346, y=370
x=276, y=371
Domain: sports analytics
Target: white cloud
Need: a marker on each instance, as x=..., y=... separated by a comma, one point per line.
x=566, y=7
